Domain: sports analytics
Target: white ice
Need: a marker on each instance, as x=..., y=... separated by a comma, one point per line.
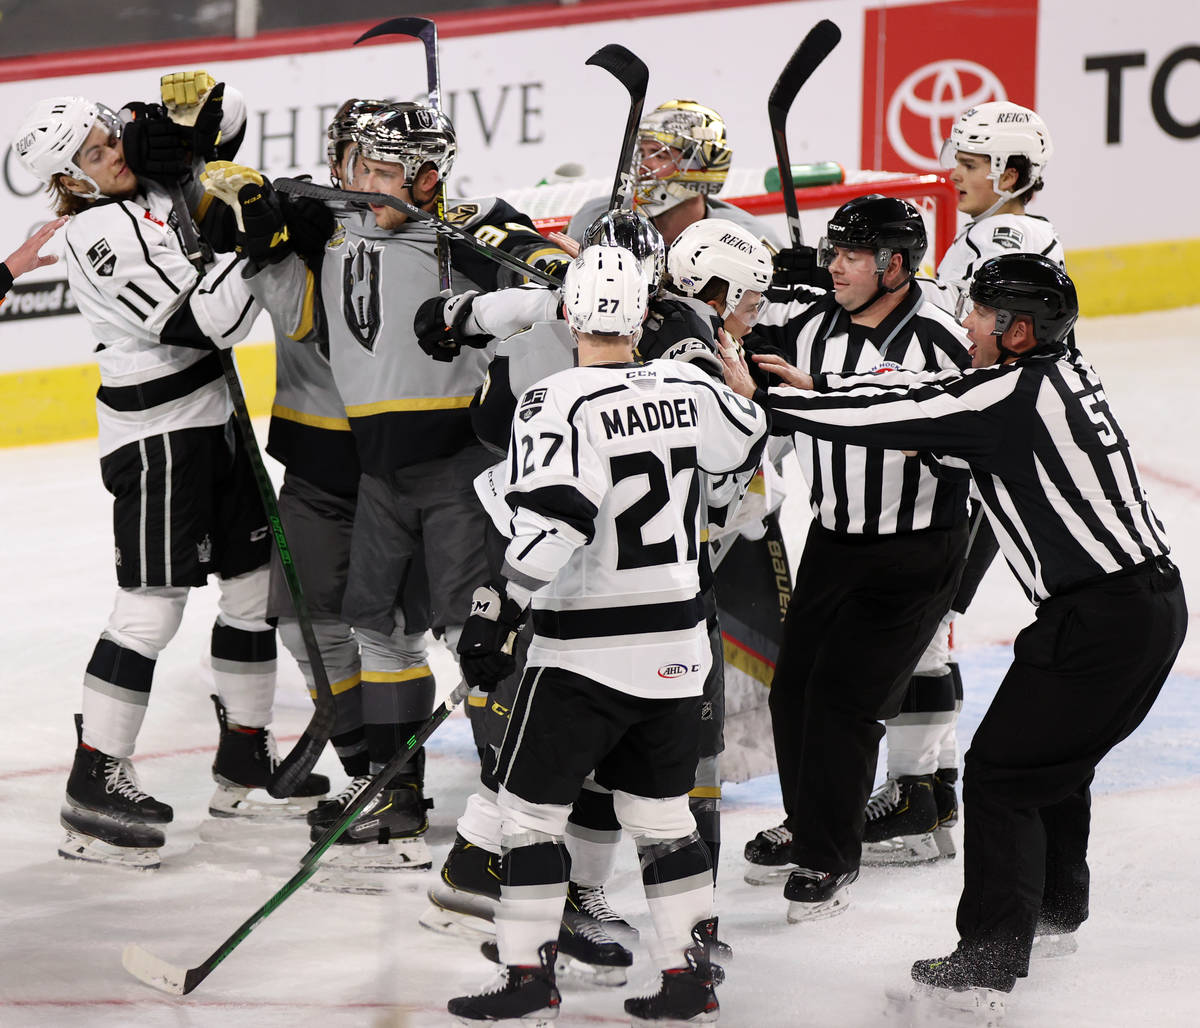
x=350, y=960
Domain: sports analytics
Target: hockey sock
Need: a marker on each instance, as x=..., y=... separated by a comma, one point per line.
x=914, y=735
x=677, y=877
x=532, y=898
x=351, y=748
x=243, y=668
x=116, y=689
x=593, y=835
x=707, y=812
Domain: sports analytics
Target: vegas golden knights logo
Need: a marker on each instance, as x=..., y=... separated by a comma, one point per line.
x=360, y=293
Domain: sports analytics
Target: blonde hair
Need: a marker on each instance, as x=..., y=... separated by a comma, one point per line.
x=65, y=201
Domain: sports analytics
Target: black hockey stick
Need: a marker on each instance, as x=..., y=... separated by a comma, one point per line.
x=813, y=49
x=426, y=31
x=346, y=200
x=179, y=981
x=294, y=768
x=630, y=70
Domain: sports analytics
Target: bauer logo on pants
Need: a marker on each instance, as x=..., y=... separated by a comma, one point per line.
x=925, y=64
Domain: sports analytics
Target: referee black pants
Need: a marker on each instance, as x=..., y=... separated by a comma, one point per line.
x=1083, y=677
x=863, y=610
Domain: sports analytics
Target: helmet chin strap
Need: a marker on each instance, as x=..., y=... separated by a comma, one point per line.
x=880, y=292
x=1004, y=197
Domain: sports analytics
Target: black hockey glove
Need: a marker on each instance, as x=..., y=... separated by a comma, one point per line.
x=265, y=238
x=439, y=326
x=155, y=147
x=309, y=224
x=797, y=266
x=485, y=648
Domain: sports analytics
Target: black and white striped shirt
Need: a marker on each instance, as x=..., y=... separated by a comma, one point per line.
x=1052, y=465
x=860, y=489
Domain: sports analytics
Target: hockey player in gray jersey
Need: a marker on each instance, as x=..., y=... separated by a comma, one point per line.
x=408, y=417
x=682, y=161
x=185, y=504
x=604, y=483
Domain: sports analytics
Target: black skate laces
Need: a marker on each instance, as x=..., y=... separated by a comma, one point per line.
x=120, y=778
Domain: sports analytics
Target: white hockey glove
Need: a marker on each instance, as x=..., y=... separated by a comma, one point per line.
x=443, y=326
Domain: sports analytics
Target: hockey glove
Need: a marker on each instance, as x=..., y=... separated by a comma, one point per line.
x=195, y=101
x=155, y=147
x=441, y=324
x=485, y=648
x=262, y=230
x=797, y=266
x=309, y=225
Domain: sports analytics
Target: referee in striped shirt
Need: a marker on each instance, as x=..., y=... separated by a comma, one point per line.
x=882, y=559
x=1062, y=492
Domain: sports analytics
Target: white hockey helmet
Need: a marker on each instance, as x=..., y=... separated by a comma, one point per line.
x=999, y=130
x=697, y=135
x=410, y=134
x=49, y=139
x=717, y=248
x=634, y=231
x=605, y=292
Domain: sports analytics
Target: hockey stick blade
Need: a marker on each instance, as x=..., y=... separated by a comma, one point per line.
x=339, y=199
x=631, y=71
x=398, y=27
x=179, y=981
x=808, y=56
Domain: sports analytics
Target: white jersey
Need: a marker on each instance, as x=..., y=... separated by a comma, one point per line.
x=605, y=483
x=982, y=240
x=154, y=317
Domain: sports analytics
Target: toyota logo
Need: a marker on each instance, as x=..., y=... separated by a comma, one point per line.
x=928, y=102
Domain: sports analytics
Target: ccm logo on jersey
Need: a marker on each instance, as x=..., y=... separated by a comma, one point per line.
x=885, y=366
x=676, y=670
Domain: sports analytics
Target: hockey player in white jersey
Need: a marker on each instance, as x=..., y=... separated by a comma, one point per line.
x=185, y=504
x=997, y=155
x=604, y=483
x=682, y=161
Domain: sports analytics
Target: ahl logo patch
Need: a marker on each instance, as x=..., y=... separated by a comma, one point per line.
x=1008, y=237
x=102, y=259
x=672, y=671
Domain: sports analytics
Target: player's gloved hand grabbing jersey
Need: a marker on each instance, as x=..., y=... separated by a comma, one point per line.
x=262, y=229
x=195, y=103
x=155, y=147
x=485, y=648
x=443, y=326
x=797, y=266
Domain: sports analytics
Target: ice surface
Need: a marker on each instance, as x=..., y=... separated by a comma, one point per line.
x=359, y=960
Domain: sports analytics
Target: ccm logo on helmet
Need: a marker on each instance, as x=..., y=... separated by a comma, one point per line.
x=676, y=670
x=737, y=243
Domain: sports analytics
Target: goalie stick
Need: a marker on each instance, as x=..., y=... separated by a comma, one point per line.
x=813, y=49
x=345, y=200
x=630, y=70
x=295, y=767
x=179, y=981
x=426, y=31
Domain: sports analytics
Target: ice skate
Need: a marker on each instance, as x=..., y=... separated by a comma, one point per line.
x=585, y=951
x=328, y=812
x=591, y=901
x=770, y=854
x=686, y=995
x=523, y=995
x=108, y=817
x=814, y=895
x=386, y=836
x=952, y=990
x=902, y=822
x=1050, y=941
x=464, y=902
x=946, y=797
x=246, y=759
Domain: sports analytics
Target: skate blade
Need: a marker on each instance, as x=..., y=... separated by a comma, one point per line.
x=704, y=1017
x=90, y=850
x=945, y=842
x=537, y=1019
x=903, y=850
x=1049, y=947
x=593, y=974
x=923, y=1005
x=410, y=854
x=763, y=874
x=832, y=907
x=258, y=804
x=463, y=915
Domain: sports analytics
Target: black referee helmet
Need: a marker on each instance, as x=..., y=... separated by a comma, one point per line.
x=884, y=224
x=1027, y=285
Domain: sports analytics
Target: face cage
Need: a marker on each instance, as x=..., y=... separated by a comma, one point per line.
x=104, y=116
x=827, y=251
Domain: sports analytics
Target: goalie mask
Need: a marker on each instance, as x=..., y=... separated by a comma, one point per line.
x=605, y=292
x=409, y=134
x=682, y=153
x=1000, y=130
x=633, y=231
x=50, y=137
x=714, y=248
x=341, y=133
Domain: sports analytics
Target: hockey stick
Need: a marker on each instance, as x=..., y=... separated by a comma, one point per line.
x=294, y=768
x=630, y=70
x=346, y=200
x=179, y=981
x=813, y=49
x=426, y=31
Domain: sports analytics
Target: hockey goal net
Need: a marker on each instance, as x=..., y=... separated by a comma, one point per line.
x=552, y=205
